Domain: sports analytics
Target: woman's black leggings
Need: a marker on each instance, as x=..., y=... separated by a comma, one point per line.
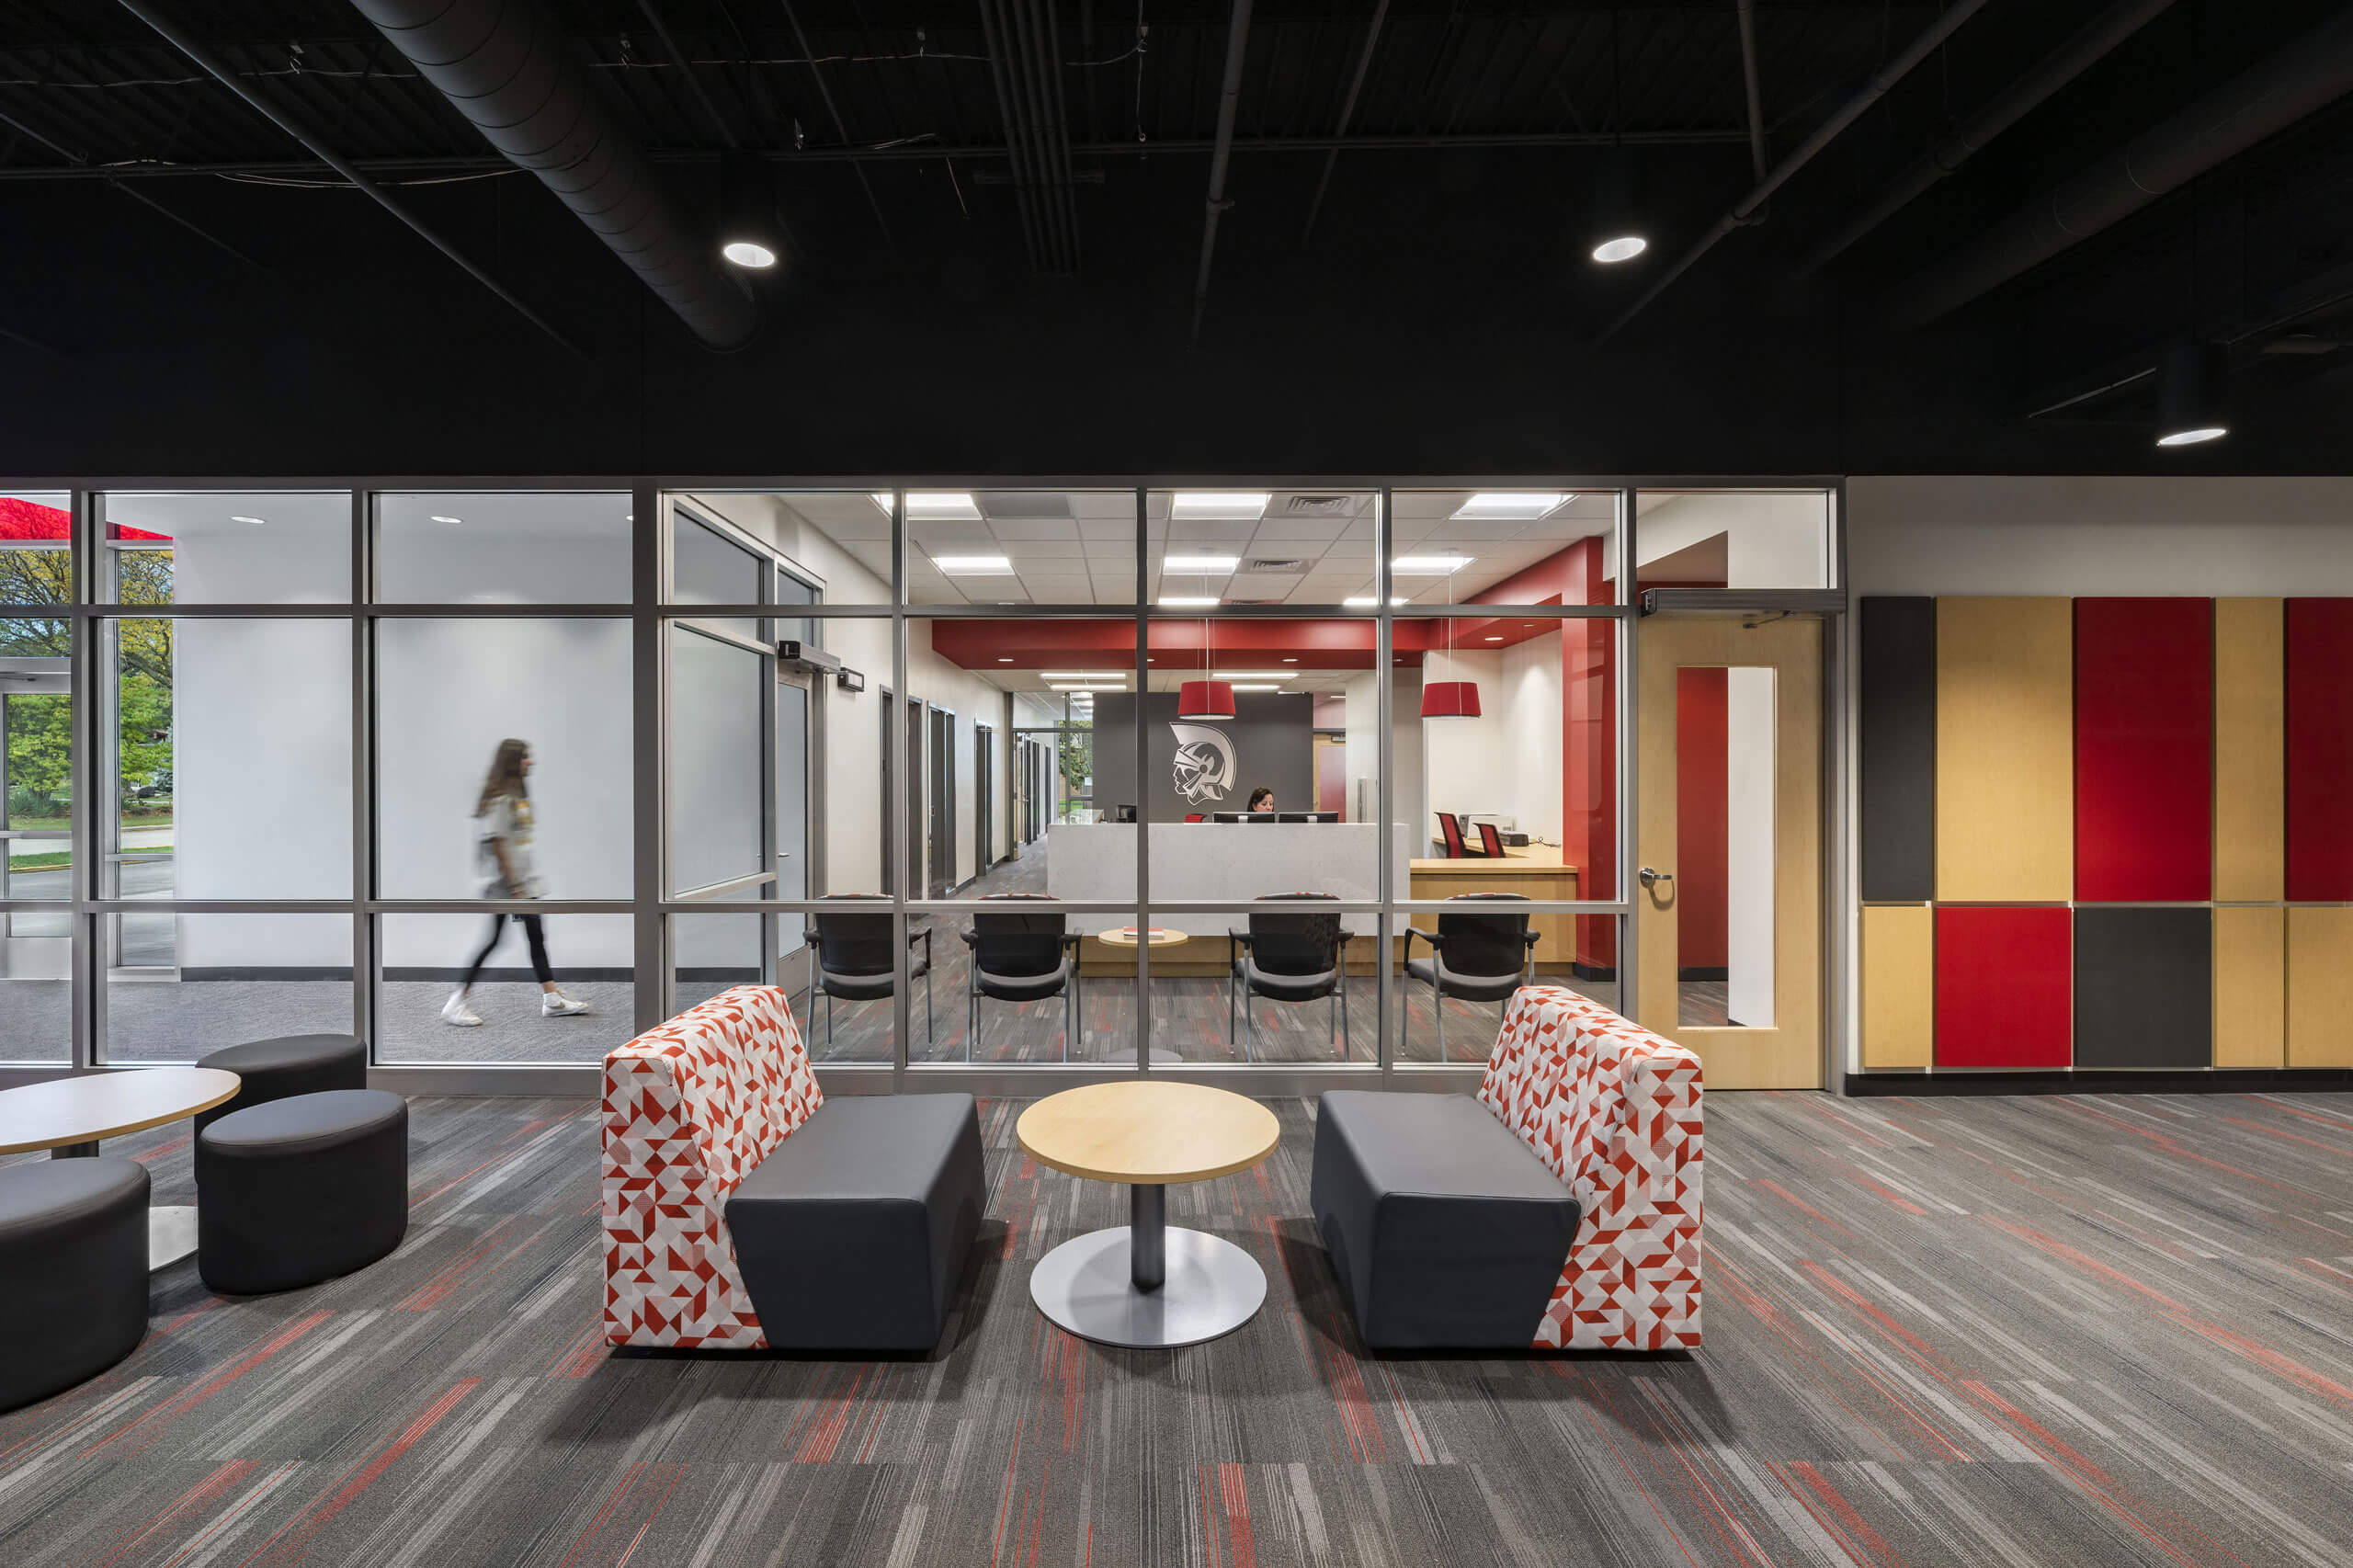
x=533, y=934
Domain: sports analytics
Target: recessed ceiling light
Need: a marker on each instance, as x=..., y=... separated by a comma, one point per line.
x=748, y=253
x=1180, y=601
x=1230, y=505
x=974, y=565
x=2191, y=437
x=1509, y=504
x=1261, y=685
x=934, y=504
x=1365, y=601
x=1626, y=248
x=453, y=522
x=1200, y=563
x=1004, y=661
x=256, y=521
x=1291, y=661
x=1428, y=565
x=1082, y=674
x=1090, y=689
x=1250, y=674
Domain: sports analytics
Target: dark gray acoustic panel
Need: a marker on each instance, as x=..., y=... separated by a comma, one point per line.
x=1896, y=676
x=2145, y=987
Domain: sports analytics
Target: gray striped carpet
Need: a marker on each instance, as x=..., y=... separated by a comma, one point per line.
x=2087, y=1330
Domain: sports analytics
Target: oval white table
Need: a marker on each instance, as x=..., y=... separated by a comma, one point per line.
x=68, y=1116
x=1148, y=1285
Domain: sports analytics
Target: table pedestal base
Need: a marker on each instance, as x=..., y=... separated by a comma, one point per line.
x=171, y=1234
x=1151, y=1286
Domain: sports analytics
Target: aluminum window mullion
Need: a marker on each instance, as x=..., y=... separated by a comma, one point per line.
x=89, y=992
x=648, y=806
x=366, y=1010
x=901, y=771
x=1138, y=731
x=1625, y=720
x=1387, y=1000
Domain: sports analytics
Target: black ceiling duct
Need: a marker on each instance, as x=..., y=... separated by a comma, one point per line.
x=507, y=67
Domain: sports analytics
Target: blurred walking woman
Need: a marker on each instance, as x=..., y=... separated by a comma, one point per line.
x=502, y=860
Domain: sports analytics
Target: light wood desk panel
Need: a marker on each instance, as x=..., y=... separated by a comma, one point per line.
x=2006, y=750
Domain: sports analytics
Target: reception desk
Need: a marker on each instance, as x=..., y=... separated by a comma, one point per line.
x=1536, y=871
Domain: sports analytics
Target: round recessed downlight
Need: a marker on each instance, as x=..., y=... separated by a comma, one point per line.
x=748, y=253
x=2191, y=437
x=1626, y=248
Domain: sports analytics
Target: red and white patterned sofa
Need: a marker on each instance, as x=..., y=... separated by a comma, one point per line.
x=1444, y=1231
x=690, y=1108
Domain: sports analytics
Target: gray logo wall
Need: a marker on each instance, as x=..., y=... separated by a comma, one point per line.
x=1192, y=766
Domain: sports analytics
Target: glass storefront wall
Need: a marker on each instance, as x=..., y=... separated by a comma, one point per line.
x=984, y=779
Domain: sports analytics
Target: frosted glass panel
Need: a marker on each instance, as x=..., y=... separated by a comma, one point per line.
x=716, y=692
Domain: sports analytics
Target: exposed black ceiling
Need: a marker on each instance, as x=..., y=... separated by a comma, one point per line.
x=1014, y=277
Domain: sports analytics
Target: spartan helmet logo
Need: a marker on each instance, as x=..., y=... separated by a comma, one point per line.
x=1204, y=769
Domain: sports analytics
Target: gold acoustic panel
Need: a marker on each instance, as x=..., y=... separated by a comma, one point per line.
x=2250, y=987
x=2320, y=986
x=1899, y=985
x=2006, y=751
x=2250, y=743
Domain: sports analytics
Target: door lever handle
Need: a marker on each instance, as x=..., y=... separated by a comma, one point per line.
x=1651, y=879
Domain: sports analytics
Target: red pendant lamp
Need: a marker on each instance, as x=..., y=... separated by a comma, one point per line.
x=1449, y=698
x=1209, y=700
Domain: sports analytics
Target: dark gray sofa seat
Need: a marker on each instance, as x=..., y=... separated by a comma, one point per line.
x=852, y=1233
x=1445, y=1230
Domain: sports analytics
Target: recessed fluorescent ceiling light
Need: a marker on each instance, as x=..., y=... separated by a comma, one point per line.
x=1365, y=601
x=1005, y=660
x=942, y=503
x=1428, y=565
x=1262, y=685
x=1251, y=675
x=1090, y=689
x=1082, y=674
x=1230, y=505
x=974, y=565
x=453, y=522
x=1495, y=639
x=1508, y=505
x=256, y=521
x=1180, y=601
x=1200, y=563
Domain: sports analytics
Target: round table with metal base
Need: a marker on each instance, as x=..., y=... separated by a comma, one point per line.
x=68, y=1116
x=1149, y=1286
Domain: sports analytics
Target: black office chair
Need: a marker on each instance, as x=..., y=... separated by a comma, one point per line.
x=1288, y=957
x=1023, y=956
x=852, y=961
x=1474, y=958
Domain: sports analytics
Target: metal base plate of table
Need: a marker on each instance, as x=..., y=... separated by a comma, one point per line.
x=171, y=1234
x=1152, y=1285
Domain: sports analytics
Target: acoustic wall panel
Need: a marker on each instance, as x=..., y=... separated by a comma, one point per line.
x=2005, y=750
x=2002, y=987
x=1899, y=986
x=1896, y=691
x=2144, y=988
x=2320, y=986
x=2250, y=987
x=2144, y=744
x=2319, y=646
x=2250, y=730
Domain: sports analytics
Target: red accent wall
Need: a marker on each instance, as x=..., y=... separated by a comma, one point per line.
x=1702, y=844
x=1589, y=750
x=2004, y=986
x=2144, y=747
x=2320, y=749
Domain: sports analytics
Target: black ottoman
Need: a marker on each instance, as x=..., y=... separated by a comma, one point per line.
x=292, y=1064
x=74, y=1254
x=852, y=1233
x=1446, y=1231
x=300, y=1191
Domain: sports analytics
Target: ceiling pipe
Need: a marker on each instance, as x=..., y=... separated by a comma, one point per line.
x=1748, y=84
x=1237, y=41
x=2089, y=45
x=2260, y=102
x=293, y=125
x=1347, y=113
x=1745, y=210
x=507, y=67
x=1025, y=183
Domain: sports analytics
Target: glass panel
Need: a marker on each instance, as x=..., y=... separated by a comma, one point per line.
x=36, y=551
x=450, y=694
x=793, y=714
x=1501, y=546
x=1460, y=1025
x=1021, y=547
x=1733, y=538
x=792, y=590
x=179, y=985
x=214, y=547
x=37, y=785
x=719, y=694
x=36, y=987
x=1049, y=989
x=427, y=959
x=1005, y=674
x=708, y=568
x=837, y=542
x=1724, y=847
x=233, y=759
x=1259, y=546
x=711, y=953
x=1284, y=1014
x=503, y=547
x=850, y=1016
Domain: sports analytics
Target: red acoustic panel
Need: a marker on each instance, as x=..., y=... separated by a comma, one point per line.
x=2144, y=750
x=2319, y=656
x=2002, y=986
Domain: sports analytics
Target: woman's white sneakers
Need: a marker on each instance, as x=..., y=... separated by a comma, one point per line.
x=556, y=1005
x=552, y=1004
x=455, y=1011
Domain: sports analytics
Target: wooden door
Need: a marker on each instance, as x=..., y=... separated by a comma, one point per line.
x=1766, y=853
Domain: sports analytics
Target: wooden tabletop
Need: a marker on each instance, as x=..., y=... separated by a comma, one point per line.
x=1147, y=1133
x=1162, y=937
x=106, y=1105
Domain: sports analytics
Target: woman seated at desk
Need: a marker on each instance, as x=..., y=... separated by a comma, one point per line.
x=1262, y=799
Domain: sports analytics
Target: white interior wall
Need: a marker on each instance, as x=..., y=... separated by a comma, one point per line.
x=1772, y=539
x=1469, y=760
x=1532, y=739
x=1363, y=759
x=1748, y=835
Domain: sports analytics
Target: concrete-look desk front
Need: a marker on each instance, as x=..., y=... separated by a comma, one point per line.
x=1218, y=863
x=1536, y=871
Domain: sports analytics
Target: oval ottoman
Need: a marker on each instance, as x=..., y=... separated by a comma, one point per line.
x=287, y=1065
x=73, y=1252
x=301, y=1189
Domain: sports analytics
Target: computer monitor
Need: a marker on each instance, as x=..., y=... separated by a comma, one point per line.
x=1307, y=817
x=1236, y=818
x=1123, y=813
